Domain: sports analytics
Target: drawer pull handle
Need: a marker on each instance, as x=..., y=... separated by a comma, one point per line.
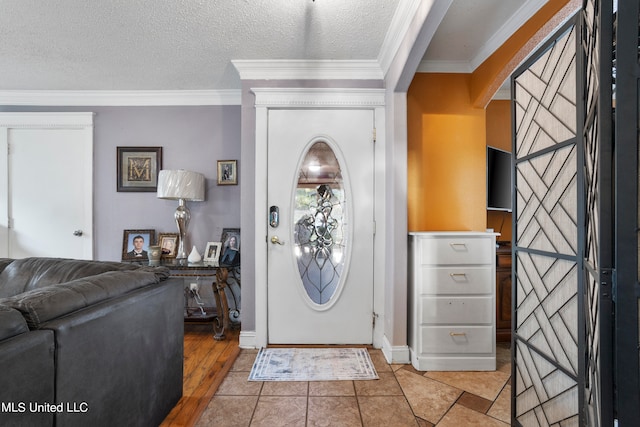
x=455, y=245
x=454, y=275
x=457, y=334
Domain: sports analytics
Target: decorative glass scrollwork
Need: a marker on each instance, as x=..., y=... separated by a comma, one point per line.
x=319, y=221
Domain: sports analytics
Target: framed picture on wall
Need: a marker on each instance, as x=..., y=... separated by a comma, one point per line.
x=135, y=244
x=138, y=168
x=227, y=172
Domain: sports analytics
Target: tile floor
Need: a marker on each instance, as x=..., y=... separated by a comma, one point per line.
x=401, y=397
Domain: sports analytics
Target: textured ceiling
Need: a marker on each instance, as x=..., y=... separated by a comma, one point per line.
x=472, y=29
x=189, y=44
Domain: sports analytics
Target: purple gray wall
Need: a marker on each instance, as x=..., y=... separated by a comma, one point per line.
x=191, y=137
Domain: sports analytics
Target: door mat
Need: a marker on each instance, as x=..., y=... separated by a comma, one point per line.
x=313, y=364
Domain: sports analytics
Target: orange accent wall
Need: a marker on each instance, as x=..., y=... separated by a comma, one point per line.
x=499, y=124
x=446, y=155
x=447, y=131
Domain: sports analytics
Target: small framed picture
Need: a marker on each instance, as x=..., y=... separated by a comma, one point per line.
x=135, y=244
x=168, y=243
x=230, y=247
x=212, y=253
x=227, y=172
x=138, y=168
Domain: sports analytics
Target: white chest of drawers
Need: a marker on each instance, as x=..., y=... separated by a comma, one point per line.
x=452, y=301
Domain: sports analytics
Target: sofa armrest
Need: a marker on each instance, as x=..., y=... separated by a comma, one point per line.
x=27, y=366
x=11, y=323
x=122, y=357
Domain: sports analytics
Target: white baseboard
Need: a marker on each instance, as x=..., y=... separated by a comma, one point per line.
x=453, y=363
x=395, y=354
x=247, y=339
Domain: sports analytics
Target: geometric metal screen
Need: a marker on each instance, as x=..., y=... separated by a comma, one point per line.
x=547, y=255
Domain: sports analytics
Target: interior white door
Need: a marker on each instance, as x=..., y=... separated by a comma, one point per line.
x=320, y=256
x=49, y=192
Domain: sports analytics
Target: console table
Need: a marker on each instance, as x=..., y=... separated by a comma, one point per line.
x=208, y=314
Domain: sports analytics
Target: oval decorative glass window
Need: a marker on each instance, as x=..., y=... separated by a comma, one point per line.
x=320, y=223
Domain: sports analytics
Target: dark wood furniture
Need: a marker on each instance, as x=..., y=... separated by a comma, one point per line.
x=219, y=315
x=503, y=292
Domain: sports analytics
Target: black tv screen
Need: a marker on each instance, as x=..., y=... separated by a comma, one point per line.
x=498, y=179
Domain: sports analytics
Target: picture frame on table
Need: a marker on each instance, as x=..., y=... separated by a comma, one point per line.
x=138, y=168
x=135, y=244
x=168, y=243
x=212, y=253
x=227, y=172
x=230, y=254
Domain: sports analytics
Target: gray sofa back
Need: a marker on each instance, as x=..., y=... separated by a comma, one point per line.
x=42, y=289
x=40, y=305
x=4, y=262
x=26, y=274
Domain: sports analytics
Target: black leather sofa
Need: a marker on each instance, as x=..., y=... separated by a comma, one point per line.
x=88, y=343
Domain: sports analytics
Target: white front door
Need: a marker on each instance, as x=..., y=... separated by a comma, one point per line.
x=320, y=249
x=47, y=175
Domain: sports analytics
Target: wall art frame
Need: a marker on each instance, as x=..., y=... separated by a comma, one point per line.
x=227, y=172
x=138, y=168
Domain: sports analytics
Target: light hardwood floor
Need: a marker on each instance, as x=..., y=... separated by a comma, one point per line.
x=206, y=362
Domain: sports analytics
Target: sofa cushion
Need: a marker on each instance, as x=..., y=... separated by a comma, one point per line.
x=50, y=302
x=11, y=323
x=26, y=274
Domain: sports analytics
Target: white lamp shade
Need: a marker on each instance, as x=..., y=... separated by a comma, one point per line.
x=181, y=184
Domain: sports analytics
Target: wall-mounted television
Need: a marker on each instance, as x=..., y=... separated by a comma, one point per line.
x=498, y=179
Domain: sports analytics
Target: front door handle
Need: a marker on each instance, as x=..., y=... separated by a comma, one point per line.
x=276, y=241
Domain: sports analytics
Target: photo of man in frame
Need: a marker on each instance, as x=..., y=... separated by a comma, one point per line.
x=136, y=245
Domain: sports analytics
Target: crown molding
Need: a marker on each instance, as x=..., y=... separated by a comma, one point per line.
x=119, y=97
x=400, y=23
x=318, y=97
x=269, y=69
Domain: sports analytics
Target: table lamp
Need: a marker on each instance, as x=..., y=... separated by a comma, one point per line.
x=183, y=186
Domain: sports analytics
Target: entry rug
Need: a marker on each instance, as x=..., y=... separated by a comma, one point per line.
x=313, y=364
